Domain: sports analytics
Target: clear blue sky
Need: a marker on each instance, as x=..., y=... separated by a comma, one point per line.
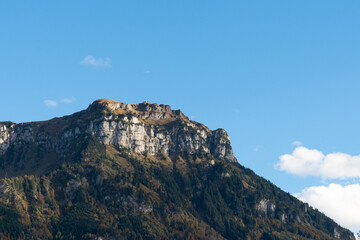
x=268, y=72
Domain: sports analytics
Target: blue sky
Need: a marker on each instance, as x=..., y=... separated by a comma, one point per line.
x=268, y=72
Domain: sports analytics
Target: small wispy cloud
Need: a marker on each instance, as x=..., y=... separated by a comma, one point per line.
x=68, y=100
x=96, y=63
x=50, y=103
x=296, y=143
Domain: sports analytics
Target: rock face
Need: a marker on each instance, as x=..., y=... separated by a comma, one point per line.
x=151, y=128
x=144, y=128
x=132, y=133
x=267, y=207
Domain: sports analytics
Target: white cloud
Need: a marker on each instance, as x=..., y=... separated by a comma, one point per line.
x=296, y=143
x=96, y=63
x=341, y=203
x=311, y=162
x=50, y=103
x=68, y=100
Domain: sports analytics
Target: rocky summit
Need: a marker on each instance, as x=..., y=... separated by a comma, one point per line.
x=139, y=171
x=143, y=128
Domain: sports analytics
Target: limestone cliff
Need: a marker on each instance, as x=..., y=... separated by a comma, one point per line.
x=151, y=128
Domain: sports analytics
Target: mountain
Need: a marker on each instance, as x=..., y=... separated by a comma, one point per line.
x=140, y=171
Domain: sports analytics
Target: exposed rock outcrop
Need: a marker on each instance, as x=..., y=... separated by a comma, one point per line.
x=267, y=207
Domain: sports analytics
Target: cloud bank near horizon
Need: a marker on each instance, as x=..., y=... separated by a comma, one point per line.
x=341, y=203
x=311, y=162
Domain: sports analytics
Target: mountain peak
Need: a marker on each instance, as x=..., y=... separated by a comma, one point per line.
x=147, y=112
x=113, y=105
x=108, y=104
x=144, y=128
